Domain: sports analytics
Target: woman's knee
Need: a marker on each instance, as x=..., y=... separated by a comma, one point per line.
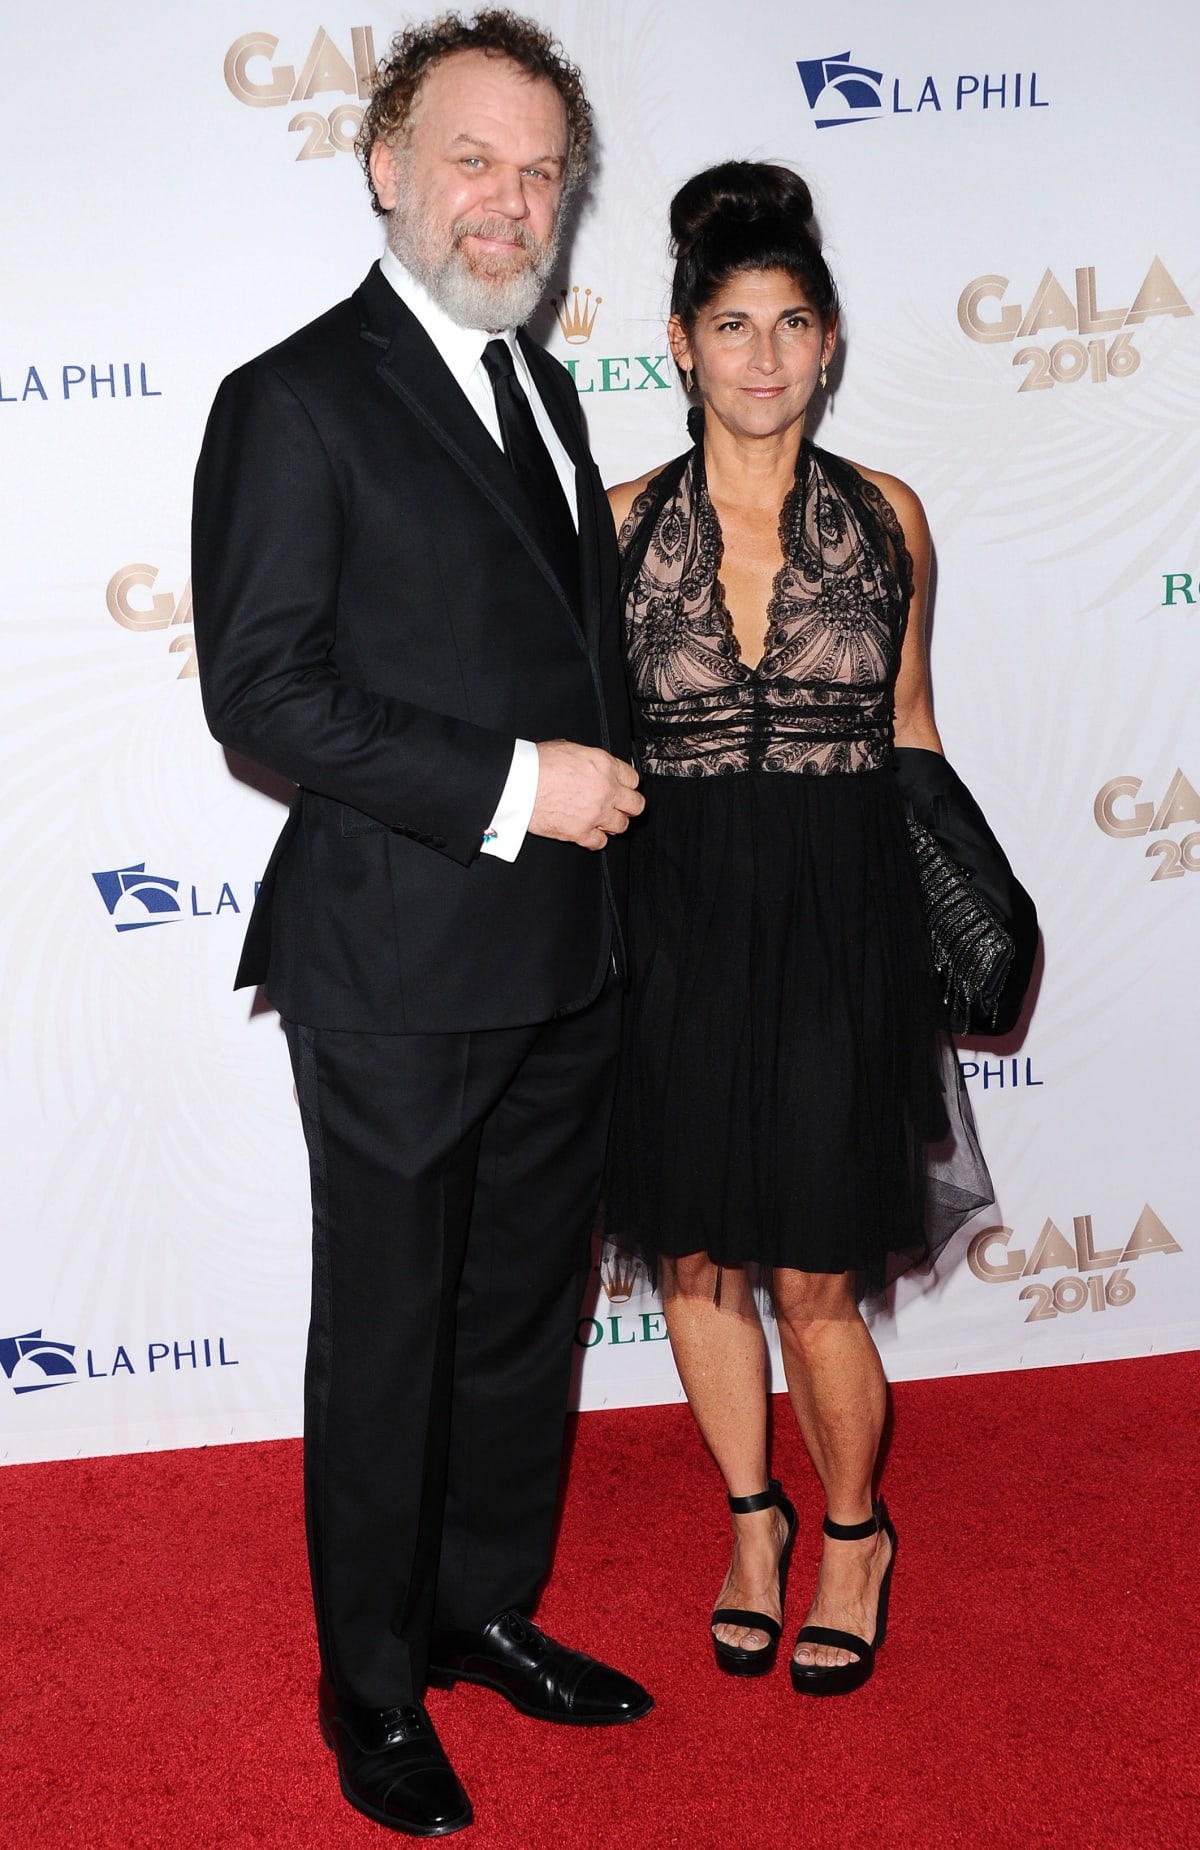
x=697, y=1278
x=688, y=1275
x=804, y=1300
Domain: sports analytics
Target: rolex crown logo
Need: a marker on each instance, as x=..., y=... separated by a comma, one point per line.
x=618, y=1274
x=576, y=318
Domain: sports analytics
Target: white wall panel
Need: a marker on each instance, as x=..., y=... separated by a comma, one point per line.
x=164, y=230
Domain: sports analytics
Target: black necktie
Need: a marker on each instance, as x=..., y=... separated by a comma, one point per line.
x=531, y=464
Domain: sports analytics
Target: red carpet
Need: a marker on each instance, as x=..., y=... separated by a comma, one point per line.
x=1038, y=1686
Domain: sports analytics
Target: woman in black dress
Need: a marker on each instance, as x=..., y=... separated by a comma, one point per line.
x=786, y=1066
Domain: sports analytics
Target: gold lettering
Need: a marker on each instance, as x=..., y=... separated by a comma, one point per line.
x=1158, y=295
x=1093, y=320
x=1149, y=1236
x=1051, y=307
x=132, y=616
x=1089, y=1259
x=1181, y=804
x=988, y=1269
x=246, y=88
x=1051, y=1250
x=324, y=69
x=969, y=318
x=183, y=609
x=362, y=47
x=1105, y=813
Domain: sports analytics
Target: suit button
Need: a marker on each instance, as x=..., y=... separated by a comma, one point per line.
x=437, y=841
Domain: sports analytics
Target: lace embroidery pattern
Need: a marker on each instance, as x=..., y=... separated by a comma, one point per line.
x=821, y=698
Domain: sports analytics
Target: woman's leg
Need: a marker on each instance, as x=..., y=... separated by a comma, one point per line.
x=721, y=1356
x=836, y=1386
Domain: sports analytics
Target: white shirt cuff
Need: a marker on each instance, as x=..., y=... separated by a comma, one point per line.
x=510, y=823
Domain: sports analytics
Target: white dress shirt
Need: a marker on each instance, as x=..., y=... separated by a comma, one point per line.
x=462, y=351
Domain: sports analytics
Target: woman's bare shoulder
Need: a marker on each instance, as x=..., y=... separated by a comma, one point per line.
x=622, y=495
x=904, y=502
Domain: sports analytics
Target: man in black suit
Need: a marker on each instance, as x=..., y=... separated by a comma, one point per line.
x=405, y=601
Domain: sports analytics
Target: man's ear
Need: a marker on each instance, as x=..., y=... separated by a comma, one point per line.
x=384, y=174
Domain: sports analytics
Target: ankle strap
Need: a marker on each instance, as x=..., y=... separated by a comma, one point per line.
x=852, y=1531
x=762, y=1500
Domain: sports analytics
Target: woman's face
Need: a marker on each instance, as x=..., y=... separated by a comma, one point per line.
x=756, y=350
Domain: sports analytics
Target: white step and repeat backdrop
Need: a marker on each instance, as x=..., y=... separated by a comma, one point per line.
x=1008, y=201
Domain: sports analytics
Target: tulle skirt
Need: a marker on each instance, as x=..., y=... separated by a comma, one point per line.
x=788, y=1095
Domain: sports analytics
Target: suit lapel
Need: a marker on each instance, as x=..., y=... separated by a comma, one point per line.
x=411, y=366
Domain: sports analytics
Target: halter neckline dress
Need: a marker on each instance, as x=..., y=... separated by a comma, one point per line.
x=789, y=1094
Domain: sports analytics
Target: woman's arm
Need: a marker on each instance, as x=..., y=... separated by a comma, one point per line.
x=914, y=721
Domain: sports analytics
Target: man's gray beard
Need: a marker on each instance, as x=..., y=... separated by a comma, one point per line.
x=470, y=298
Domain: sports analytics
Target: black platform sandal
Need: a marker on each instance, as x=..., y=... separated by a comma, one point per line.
x=734, y=1659
x=840, y=1679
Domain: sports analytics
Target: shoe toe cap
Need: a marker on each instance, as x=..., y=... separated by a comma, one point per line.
x=426, y=1801
x=433, y=1797
x=603, y=1694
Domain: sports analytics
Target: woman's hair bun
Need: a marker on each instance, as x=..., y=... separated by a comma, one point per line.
x=745, y=215
x=744, y=190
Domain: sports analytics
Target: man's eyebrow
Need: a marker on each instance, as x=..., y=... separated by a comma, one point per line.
x=487, y=147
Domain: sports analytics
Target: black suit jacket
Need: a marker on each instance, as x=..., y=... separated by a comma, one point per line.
x=376, y=621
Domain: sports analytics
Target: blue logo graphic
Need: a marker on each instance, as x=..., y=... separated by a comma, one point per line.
x=75, y=382
x=835, y=83
x=23, y=1355
x=124, y=889
x=839, y=92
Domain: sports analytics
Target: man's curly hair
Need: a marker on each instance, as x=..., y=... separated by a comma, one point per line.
x=414, y=52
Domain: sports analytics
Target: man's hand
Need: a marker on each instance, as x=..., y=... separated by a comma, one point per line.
x=584, y=795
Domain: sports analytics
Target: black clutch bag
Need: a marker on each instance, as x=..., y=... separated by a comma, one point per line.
x=983, y=929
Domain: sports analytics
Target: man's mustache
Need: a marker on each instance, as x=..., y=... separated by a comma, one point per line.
x=507, y=228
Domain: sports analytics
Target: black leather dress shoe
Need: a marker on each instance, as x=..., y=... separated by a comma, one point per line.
x=393, y=1768
x=538, y=1676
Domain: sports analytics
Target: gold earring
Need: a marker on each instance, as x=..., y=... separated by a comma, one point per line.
x=687, y=381
x=824, y=374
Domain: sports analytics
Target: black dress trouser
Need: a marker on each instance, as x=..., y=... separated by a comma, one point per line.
x=454, y=1186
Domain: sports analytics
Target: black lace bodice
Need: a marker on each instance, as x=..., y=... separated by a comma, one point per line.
x=821, y=698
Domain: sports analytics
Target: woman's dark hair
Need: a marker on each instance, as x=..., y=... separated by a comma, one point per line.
x=745, y=215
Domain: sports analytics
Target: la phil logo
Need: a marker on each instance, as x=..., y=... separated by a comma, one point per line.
x=255, y=79
x=1119, y=813
x=76, y=381
x=33, y=1362
x=1109, y=352
x=129, y=606
x=1010, y=1073
x=841, y=93
x=136, y=900
x=995, y=1261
